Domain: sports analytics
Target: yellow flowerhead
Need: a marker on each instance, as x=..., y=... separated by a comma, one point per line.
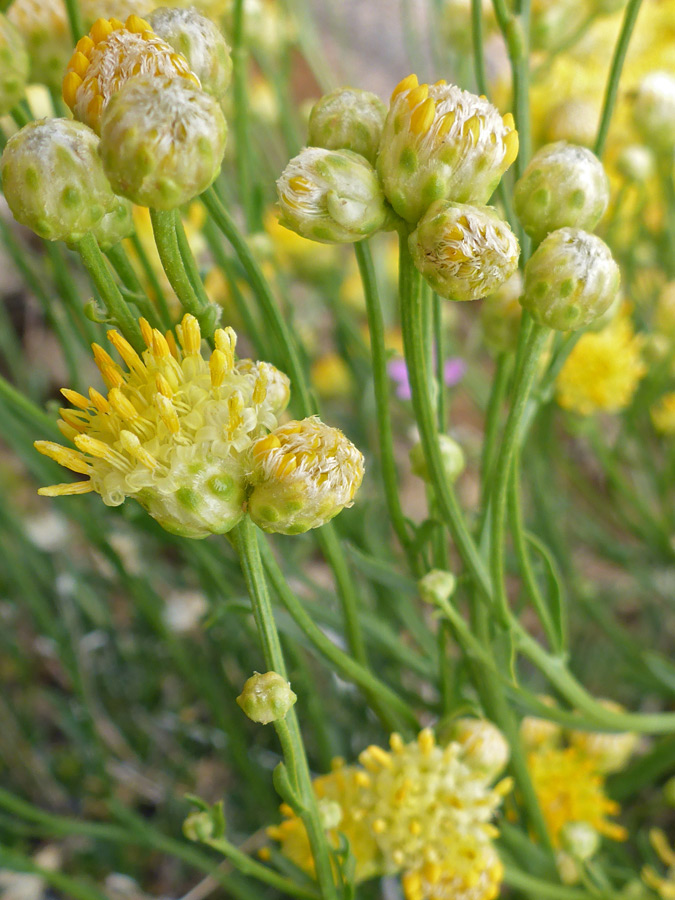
x=664, y=886
x=610, y=751
x=603, y=370
x=173, y=432
x=570, y=789
x=303, y=474
x=663, y=414
x=479, y=879
x=442, y=143
x=110, y=55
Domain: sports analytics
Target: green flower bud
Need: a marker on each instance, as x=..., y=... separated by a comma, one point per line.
x=485, y=747
x=199, y=826
x=563, y=185
x=266, y=698
x=442, y=143
x=43, y=25
x=451, y=454
x=201, y=42
x=654, y=110
x=437, y=586
x=555, y=22
x=464, y=252
x=610, y=751
x=570, y=280
x=574, y=120
x=500, y=315
x=162, y=141
x=53, y=179
x=14, y=65
x=580, y=840
x=636, y=162
x=331, y=196
x=304, y=473
x=348, y=119
x=115, y=225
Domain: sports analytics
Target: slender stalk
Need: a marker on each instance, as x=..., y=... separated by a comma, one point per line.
x=345, y=665
x=378, y=354
x=164, y=228
x=74, y=20
x=515, y=29
x=245, y=540
x=629, y=20
x=239, y=85
x=500, y=381
x=153, y=280
x=503, y=465
x=478, y=46
x=544, y=890
x=125, y=271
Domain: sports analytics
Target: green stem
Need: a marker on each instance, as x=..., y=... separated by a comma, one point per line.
x=381, y=384
x=164, y=228
x=515, y=29
x=125, y=271
x=75, y=20
x=543, y=890
x=502, y=469
x=478, y=46
x=70, y=887
x=629, y=19
x=348, y=667
x=500, y=381
x=245, y=539
x=110, y=294
x=153, y=281
x=239, y=85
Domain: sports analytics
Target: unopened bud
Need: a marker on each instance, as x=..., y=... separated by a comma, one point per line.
x=654, y=110
x=199, y=826
x=563, y=185
x=636, y=162
x=437, y=586
x=452, y=456
x=331, y=196
x=570, y=280
x=580, y=840
x=303, y=474
x=464, y=252
x=610, y=751
x=266, y=698
x=485, y=747
x=348, y=119
x=162, y=141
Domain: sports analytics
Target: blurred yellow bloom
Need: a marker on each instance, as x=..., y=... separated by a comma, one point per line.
x=603, y=370
x=303, y=257
x=663, y=414
x=570, y=789
x=331, y=376
x=665, y=887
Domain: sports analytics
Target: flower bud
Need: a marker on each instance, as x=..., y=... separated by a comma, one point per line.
x=437, y=586
x=43, y=25
x=266, y=698
x=111, y=54
x=452, y=456
x=555, y=22
x=464, y=252
x=500, y=315
x=199, y=826
x=304, y=473
x=162, y=141
x=331, y=196
x=202, y=44
x=580, y=840
x=115, y=225
x=574, y=120
x=485, y=747
x=348, y=119
x=563, y=185
x=53, y=179
x=14, y=65
x=536, y=732
x=636, y=162
x=654, y=110
x=442, y=143
x=610, y=751
x=570, y=280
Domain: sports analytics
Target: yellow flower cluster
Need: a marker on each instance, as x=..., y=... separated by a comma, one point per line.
x=420, y=809
x=664, y=886
x=663, y=414
x=177, y=434
x=603, y=370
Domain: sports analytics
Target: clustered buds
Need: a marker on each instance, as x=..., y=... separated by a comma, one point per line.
x=563, y=185
x=54, y=182
x=266, y=698
x=464, y=252
x=440, y=142
x=305, y=473
x=331, y=196
x=348, y=119
x=570, y=280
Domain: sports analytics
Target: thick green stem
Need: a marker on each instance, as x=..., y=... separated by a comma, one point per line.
x=629, y=20
x=115, y=303
x=245, y=539
x=378, y=353
x=125, y=271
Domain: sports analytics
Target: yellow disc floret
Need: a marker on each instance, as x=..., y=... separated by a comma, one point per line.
x=111, y=54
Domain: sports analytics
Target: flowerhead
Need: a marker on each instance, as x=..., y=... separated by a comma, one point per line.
x=442, y=143
x=331, y=196
x=663, y=885
x=348, y=119
x=602, y=372
x=173, y=432
x=303, y=474
x=111, y=54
